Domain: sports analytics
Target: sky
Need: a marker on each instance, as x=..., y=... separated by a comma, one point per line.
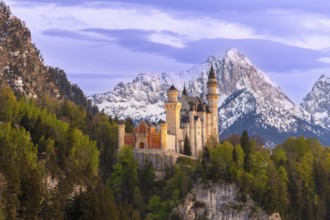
x=101, y=43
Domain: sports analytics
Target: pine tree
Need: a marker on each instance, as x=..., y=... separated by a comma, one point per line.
x=186, y=146
x=246, y=146
x=235, y=157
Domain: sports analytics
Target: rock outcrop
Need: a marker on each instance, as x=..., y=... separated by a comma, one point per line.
x=219, y=201
x=22, y=67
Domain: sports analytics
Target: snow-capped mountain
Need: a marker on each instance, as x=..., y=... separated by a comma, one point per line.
x=142, y=98
x=253, y=102
x=248, y=99
x=317, y=102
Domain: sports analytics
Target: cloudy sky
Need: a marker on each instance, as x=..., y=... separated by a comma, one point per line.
x=100, y=43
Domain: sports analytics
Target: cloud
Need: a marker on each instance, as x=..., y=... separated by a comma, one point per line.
x=325, y=59
x=114, y=37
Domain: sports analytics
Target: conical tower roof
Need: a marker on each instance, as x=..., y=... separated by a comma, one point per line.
x=184, y=92
x=212, y=73
x=172, y=88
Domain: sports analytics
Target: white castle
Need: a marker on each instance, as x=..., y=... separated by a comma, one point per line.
x=189, y=117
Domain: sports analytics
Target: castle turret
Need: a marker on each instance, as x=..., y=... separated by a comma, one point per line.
x=184, y=92
x=173, y=107
x=172, y=94
x=212, y=97
x=121, y=135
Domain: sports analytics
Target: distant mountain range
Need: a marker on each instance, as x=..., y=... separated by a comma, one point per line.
x=248, y=100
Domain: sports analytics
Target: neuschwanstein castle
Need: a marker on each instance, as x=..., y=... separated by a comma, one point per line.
x=189, y=117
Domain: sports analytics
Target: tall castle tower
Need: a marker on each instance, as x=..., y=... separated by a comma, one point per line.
x=121, y=135
x=173, y=107
x=212, y=98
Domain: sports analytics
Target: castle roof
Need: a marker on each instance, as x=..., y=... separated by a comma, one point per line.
x=212, y=73
x=200, y=108
x=196, y=117
x=184, y=119
x=184, y=92
x=172, y=88
x=192, y=107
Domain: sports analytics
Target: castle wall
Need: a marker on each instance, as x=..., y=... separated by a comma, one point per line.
x=185, y=131
x=208, y=126
x=160, y=159
x=192, y=131
x=198, y=137
x=130, y=139
x=155, y=142
x=141, y=140
x=163, y=137
x=171, y=142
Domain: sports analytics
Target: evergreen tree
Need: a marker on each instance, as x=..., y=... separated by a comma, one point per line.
x=129, y=125
x=186, y=146
x=124, y=178
x=246, y=146
x=235, y=157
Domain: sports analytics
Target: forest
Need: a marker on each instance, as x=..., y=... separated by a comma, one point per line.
x=59, y=160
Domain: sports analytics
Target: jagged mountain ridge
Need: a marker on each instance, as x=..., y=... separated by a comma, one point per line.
x=22, y=67
x=248, y=99
x=317, y=102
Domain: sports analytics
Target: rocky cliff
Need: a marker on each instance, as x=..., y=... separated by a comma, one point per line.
x=219, y=201
x=22, y=67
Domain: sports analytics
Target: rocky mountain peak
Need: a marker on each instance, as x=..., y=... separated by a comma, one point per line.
x=317, y=102
x=22, y=67
x=211, y=59
x=235, y=56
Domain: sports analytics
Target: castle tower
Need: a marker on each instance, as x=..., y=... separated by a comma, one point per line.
x=192, y=128
x=212, y=98
x=121, y=135
x=173, y=107
x=202, y=115
x=208, y=122
x=163, y=136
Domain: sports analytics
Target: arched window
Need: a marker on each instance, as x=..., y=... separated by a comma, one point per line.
x=141, y=144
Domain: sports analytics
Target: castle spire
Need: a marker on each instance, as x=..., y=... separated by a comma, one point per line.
x=212, y=74
x=184, y=92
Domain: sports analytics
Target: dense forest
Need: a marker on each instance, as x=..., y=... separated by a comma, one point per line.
x=59, y=161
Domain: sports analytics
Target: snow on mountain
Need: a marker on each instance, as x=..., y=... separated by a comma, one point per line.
x=142, y=98
x=317, y=102
x=248, y=99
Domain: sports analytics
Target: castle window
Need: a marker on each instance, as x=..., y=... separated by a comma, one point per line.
x=141, y=144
